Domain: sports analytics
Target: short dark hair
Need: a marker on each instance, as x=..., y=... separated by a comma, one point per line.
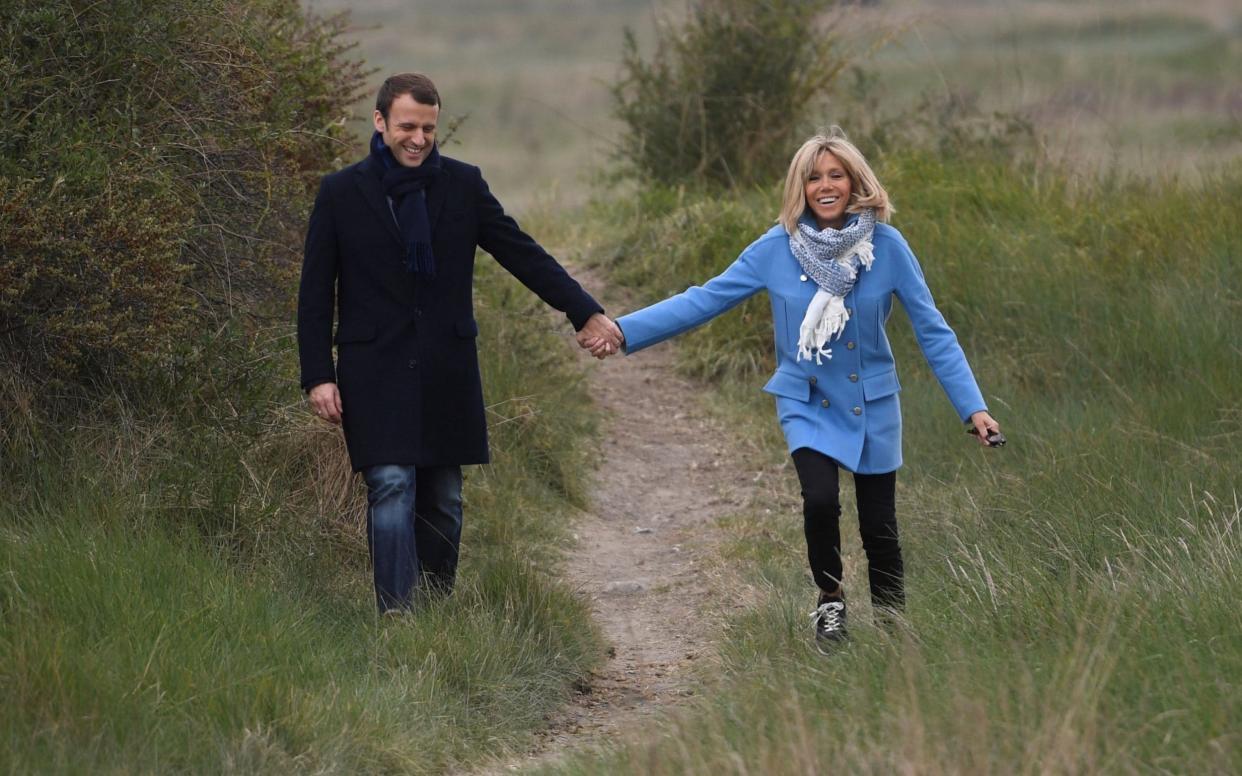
x=416, y=85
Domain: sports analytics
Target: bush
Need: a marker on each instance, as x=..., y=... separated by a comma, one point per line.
x=92, y=280
x=156, y=164
x=727, y=94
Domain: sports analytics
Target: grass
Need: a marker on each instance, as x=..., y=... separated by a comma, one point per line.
x=185, y=583
x=188, y=590
x=1104, y=82
x=134, y=650
x=529, y=81
x=1072, y=596
x=1109, y=83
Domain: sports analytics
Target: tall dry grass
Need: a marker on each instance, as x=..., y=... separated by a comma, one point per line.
x=187, y=588
x=1073, y=595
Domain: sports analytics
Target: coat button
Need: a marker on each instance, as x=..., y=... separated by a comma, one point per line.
x=814, y=380
x=824, y=403
x=849, y=345
x=802, y=278
x=853, y=378
x=413, y=363
x=858, y=410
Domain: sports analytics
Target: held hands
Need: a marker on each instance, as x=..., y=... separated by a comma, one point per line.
x=986, y=430
x=601, y=336
x=325, y=400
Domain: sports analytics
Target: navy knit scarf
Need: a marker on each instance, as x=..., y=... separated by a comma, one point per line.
x=405, y=187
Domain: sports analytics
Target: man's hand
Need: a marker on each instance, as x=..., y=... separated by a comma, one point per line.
x=600, y=336
x=325, y=400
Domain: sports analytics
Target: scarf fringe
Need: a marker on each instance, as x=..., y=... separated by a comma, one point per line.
x=818, y=355
x=864, y=250
x=419, y=259
x=826, y=316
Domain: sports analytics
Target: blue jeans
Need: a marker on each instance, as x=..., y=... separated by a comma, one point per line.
x=413, y=530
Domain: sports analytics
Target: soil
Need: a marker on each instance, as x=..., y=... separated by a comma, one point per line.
x=641, y=553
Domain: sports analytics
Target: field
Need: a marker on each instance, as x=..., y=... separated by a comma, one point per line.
x=1149, y=87
x=1070, y=597
x=184, y=576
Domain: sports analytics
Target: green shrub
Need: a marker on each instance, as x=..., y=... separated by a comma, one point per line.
x=93, y=279
x=156, y=164
x=725, y=95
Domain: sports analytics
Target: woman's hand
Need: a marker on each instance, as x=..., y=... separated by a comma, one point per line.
x=984, y=426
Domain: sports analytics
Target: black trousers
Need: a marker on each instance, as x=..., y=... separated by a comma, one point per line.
x=877, y=523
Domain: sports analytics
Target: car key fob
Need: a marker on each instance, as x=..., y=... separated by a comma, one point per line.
x=995, y=439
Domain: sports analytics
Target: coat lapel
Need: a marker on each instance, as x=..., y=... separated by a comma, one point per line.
x=373, y=192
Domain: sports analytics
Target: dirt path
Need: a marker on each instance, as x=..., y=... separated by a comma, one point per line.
x=665, y=477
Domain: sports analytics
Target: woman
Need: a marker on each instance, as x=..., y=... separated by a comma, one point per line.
x=831, y=270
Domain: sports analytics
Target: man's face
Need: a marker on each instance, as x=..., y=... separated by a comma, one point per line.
x=410, y=129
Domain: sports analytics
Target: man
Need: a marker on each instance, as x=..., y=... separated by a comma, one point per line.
x=390, y=247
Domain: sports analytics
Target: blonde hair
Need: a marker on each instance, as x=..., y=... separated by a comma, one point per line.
x=866, y=189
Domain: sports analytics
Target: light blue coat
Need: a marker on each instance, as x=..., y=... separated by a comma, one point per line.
x=847, y=407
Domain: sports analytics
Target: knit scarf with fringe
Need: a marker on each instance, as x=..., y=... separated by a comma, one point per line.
x=405, y=186
x=830, y=257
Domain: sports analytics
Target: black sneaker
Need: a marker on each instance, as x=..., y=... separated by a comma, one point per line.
x=829, y=622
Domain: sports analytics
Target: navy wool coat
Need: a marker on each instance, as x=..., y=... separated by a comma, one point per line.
x=406, y=363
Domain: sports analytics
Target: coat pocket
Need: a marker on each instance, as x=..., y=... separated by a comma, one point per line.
x=880, y=385
x=354, y=332
x=467, y=328
x=790, y=386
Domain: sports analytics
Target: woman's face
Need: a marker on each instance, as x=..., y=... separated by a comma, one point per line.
x=828, y=191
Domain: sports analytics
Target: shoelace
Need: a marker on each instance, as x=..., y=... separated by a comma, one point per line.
x=829, y=613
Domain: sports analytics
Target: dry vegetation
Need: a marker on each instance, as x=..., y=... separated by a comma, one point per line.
x=1151, y=86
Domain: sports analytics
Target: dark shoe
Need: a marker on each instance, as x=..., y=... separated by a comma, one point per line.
x=829, y=622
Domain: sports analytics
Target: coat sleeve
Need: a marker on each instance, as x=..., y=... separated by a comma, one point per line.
x=527, y=261
x=317, y=294
x=694, y=306
x=936, y=339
